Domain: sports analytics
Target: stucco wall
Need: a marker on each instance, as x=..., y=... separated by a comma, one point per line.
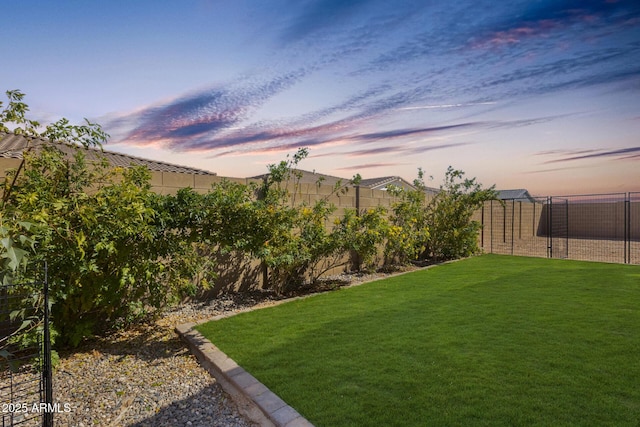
x=6, y=164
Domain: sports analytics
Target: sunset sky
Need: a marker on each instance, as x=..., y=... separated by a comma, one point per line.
x=543, y=95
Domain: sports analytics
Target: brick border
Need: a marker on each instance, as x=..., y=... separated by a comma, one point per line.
x=254, y=399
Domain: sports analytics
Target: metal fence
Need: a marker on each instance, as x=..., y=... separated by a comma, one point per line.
x=25, y=354
x=591, y=227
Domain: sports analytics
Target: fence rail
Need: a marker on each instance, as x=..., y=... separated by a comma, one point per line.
x=590, y=227
x=25, y=354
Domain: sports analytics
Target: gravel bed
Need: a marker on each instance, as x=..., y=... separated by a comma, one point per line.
x=146, y=376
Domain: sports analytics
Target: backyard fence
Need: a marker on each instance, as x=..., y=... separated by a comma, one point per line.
x=25, y=354
x=599, y=227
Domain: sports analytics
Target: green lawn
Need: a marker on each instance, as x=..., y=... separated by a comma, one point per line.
x=492, y=340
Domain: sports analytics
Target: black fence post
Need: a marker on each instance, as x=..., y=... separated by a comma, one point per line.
x=566, y=217
x=482, y=226
x=533, y=220
x=491, y=220
x=549, y=228
x=47, y=420
x=504, y=222
x=520, y=220
x=513, y=211
x=627, y=228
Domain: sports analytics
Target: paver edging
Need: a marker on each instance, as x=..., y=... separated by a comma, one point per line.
x=254, y=399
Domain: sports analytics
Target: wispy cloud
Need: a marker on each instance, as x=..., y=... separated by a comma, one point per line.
x=530, y=121
x=320, y=15
x=563, y=152
x=467, y=60
x=509, y=51
x=621, y=154
x=551, y=170
x=370, y=166
x=543, y=18
x=582, y=69
x=482, y=27
x=445, y=106
x=220, y=119
x=398, y=133
x=395, y=149
x=193, y=121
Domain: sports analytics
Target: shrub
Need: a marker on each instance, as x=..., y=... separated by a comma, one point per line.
x=452, y=232
x=294, y=239
x=408, y=233
x=111, y=252
x=362, y=233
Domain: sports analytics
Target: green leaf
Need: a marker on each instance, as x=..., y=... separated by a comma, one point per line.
x=6, y=242
x=25, y=324
x=15, y=256
x=14, y=314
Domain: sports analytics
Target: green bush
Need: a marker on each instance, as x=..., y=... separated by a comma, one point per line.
x=453, y=234
x=362, y=234
x=408, y=233
x=112, y=252
x=294, y=236
x=262, y=221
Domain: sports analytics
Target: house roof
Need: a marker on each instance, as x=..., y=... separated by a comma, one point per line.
x=12, y=146
x=381, y=183
x=311, y=177
x=519, y=194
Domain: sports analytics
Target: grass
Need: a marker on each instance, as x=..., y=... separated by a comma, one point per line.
x=492, y=340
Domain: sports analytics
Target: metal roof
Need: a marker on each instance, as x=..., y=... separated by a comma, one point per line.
x=12, y=146
x=311, y=177
x=381, y=183
x=519, y=194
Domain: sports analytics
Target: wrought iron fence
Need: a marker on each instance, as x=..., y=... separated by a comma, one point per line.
x=26, y=392
x=590, y=227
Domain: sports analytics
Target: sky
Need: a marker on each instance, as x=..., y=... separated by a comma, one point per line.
x=542, y=95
